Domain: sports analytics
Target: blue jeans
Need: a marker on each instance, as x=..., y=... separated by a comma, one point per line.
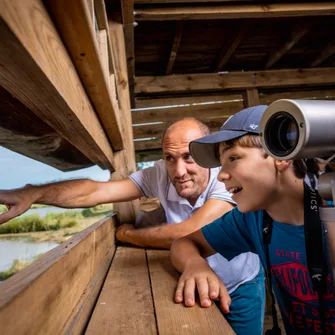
x=246, y=314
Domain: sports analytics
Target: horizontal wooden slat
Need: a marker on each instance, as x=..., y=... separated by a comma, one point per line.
x=175, y=319
x=45, y=297
x=125, y=304
x=235, y=80
x=234, y=11
x=157, y=130
x=170, y=101
x=184, y=1
x=327, y=94
x=178, y=113
x=89, y=52
x=38, y=71
x=148, y=145
x=149, y=155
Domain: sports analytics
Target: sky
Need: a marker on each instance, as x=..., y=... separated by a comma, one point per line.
x=17, y=170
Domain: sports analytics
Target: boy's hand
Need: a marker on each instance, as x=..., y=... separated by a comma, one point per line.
x=199, y=276
x=17, y=202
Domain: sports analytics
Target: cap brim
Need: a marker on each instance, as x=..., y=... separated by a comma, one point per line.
x=203, y=149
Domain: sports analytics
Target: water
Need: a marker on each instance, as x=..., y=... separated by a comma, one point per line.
x=21, y=249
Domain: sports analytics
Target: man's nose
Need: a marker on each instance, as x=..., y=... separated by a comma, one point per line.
x=223, y=176
x=180, y=169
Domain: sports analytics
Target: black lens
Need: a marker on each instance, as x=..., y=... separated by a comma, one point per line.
x=281, y=134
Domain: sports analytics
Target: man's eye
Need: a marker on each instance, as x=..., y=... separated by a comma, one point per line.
x=168, y=158
x=188, y=157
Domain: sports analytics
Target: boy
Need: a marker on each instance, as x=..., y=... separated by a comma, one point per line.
x=258, y=183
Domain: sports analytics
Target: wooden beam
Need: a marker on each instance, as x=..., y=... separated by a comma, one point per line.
x=234, y=80
x=175, y=45
x=56, y=293
x=125, y=159
x=326, y=94
x=226, y=54
x=149, y=155
x=149, y=2
x=296, y=36
x=170, y=101
x=177, y=113
x=75, y=26
x=50, y=88
x=203, y=12
x=251, y=97
x=328, y=51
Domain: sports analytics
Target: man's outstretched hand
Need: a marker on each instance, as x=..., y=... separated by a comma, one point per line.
x=17, y=202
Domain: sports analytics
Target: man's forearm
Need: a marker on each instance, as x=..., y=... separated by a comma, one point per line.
x=69, y=194
x=160, y=237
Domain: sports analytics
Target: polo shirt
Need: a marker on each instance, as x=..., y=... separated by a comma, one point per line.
x=155, y=182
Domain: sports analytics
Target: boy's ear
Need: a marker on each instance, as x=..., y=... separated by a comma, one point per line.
x=282, y=165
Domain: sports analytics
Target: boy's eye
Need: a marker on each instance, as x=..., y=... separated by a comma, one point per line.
x=232, y=158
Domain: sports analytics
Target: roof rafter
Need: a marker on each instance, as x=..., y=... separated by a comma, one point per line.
x=297, y=34
x=225, y=55
x=328, y=51
x=175, y=45
x=203, y=12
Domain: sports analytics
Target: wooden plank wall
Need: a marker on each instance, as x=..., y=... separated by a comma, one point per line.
x=56, y=294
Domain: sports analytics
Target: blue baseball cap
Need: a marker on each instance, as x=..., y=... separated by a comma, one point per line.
x=247, y=121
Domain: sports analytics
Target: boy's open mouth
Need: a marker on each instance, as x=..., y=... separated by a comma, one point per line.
x=235, y=190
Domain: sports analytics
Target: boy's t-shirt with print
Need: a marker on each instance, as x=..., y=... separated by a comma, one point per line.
x=238, y=232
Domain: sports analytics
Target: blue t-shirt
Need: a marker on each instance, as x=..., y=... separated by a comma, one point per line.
x=238, y=232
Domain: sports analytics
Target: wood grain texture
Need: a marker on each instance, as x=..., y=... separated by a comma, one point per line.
x=125, y=304
x=175, y=319
x=251, y=97
x=235, y=80
x=38, y=71
x=43, y=298
x=125, y=159
x=203, y=12
x=89, y=52
x=184, y=100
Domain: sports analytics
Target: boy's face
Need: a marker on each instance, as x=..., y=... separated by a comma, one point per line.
x=249, y=175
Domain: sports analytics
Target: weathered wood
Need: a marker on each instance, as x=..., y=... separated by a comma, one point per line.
x=65, y=274
x=177, y=113
x=296, y=36
x=328, y=51
x=171, y=101
x=157, y=130
x=175, y=318
x=251, y=97
x=226, y=54
x=125, y=159
x=175, y=45
x=269, y=97
x=184, y=1
x=149, y=155
x=235, y=80
x=86, y=48
x=204, y=12
x=23, y=132
x=125, y=304
x=51, y=89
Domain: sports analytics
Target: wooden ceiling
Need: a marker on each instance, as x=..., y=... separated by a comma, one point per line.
x=64, y=89
x=217, y=57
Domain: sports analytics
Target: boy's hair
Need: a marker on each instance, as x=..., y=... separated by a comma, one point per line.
x=254, y=141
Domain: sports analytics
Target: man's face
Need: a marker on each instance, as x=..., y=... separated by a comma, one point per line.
x=249, y=176
x=189, y=179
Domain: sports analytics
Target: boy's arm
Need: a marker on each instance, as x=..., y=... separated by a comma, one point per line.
x=187, y=256
x=163, y=236
x=68, y=194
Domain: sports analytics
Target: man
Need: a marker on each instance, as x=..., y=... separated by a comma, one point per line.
x=190, y=195
x=259, y=183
